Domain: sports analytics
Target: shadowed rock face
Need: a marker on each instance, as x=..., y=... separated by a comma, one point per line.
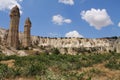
x=13, y=35
x=28, y=22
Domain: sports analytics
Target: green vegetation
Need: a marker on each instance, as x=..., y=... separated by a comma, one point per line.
x=114, y=62
x=57, y=66
x=55, y=51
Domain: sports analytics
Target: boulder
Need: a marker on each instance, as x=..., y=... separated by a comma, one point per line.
x=22, y=53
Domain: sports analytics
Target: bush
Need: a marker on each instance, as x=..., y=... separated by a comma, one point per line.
x=55, y=51
x=5, y=71
x=35, y=69
x=113, y=64
x=56, y=67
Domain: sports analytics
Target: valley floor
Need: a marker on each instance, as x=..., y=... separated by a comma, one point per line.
x=61, y=67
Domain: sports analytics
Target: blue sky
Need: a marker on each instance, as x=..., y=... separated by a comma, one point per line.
x=66, y=18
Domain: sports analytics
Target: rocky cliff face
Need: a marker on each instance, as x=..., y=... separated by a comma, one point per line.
x=70, y=42
x=3, y=34
x=68, y=45
x=84, y=44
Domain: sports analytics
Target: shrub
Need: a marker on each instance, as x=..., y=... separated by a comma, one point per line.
x=56, y=67
x=35, y=69
x=55, y=51
x=5, y=71
x=113, y=64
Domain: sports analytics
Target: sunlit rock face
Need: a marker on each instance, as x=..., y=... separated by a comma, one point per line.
x=117, y=45
x=68, y=45
x=70, y=42
x=3, y=35
x=27, y=31
x=13, y=35
x=100, y=44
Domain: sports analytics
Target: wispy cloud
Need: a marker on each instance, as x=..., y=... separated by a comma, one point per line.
x=119, y=24
x=9, y=4
x=97, y=18
x=54, y=35
x=67, y=2
x=73, y=34
x=58, y=19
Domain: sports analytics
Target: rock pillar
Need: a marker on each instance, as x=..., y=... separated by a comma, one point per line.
x=27, y=33
x=13, y=34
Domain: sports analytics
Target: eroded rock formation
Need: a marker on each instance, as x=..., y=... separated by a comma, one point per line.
x=77, y=45
x=13, y=37
x=27, y=38
x=67, y=45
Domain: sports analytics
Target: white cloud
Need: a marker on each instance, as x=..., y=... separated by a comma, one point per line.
x=54, y=35
x=67, y=20
x=68, y=2
x=58, y=19
x=9, y=4
x=73, y=34
x=97, y=18
x=119, y=24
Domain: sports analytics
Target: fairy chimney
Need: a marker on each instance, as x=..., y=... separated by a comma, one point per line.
x=13, y=34
x=27, y=39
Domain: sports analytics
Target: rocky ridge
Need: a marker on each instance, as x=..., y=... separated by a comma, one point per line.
x=65, y=45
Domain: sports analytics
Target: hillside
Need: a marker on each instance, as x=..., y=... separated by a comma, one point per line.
x=61, y=67
x=83, y=59
x=65, y=45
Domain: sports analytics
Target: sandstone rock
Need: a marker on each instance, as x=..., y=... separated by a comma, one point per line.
x=10, y=63
x=8, y=52
x=43, y=44
x=117, y=45
x=27, y=33
x=63, y=50
x=13, y=34
x=22, y=53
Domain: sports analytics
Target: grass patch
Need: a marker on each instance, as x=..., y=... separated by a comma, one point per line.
x=56, y=66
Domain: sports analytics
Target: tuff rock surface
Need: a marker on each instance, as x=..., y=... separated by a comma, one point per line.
x=71, y=46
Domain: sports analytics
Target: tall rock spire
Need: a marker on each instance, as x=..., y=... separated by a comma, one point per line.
x=15, y=12
x=13, y=35
x=27, y=33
